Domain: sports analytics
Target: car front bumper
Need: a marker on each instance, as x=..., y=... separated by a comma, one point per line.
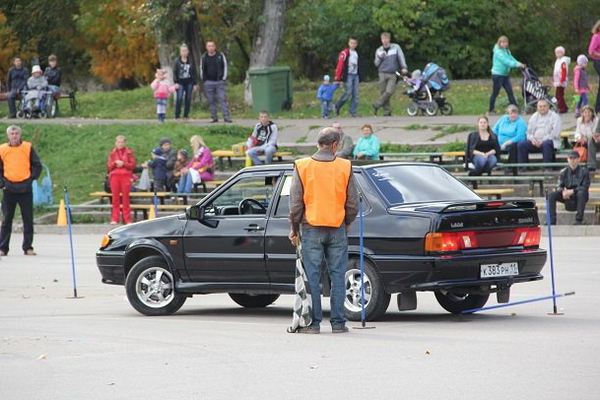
x=110, y=264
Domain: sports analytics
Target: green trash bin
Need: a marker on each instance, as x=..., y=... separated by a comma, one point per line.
x=271, y=88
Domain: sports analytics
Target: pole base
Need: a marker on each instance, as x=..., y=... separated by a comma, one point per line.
x=556, y=313
x=75, y=298
x=363, y=327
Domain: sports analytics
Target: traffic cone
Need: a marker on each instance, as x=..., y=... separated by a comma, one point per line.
x=248, y=161
x=151, y=213
x=61, y=219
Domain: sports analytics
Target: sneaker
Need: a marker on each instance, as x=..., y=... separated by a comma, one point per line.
x=2, y=253
x=340, y=329
x=375, y=109
x=578, y=223
x=491, y=113
x=114, y=223
x=387, y=114
x=214, y=120
x=355, y=115
x=229, y=120
x=30, y=252
x=309, y=330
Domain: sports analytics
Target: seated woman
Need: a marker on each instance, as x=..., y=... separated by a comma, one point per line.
x=36, y=84
x=367, y=147
x=200, y=168
x=510, y=130
x=586, y=126
x=483, y=149
x=180, y=163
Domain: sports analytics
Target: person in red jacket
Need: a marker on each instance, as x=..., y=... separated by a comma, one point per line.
x=121, y=163
x=347, y=72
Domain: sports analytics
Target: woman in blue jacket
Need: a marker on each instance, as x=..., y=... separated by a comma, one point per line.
x=502, y=62
x=510, y=129
x=367, y=147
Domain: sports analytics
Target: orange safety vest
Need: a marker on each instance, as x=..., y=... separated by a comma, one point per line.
x=17, y=161
x=325, y=184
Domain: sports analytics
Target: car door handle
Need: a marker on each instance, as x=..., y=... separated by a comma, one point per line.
x=254, y=227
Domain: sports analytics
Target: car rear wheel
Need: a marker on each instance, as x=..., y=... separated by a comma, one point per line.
x=253, y=300
x=150, y=288
x=376, y=298
x=456, y=302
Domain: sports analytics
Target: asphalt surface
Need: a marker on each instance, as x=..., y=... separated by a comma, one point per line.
x=98, y=347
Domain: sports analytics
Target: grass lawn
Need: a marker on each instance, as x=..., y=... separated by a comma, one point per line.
x=467, y=99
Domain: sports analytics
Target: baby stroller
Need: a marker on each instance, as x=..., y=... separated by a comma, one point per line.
x=427, y=92
x=533, y=90
x=33, y=103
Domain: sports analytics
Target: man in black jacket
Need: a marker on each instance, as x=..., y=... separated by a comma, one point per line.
x=19, y=167
x=213, y=74
x=53, y=74
x=16, y=81
x=572, y=189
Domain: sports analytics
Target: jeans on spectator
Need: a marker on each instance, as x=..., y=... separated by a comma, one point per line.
x=185, y=184
x=120, y=184
x=54, y=89
x=592, y=150
x=483, y=164
x=351, y=90
x=583, y=101
x=597, y=68
x=184, y=93
x=216, y=90
x=580, y=196
x=387, y=87
x=332, y=245
x=499, y=82
x=11, y=99
x=526, y=147
x=160, y=185
x=9, y=205
x=267, y=149
x=326, y=108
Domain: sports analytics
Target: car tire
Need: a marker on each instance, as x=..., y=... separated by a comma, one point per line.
x=253, y=300
x=376, y=298
x=150, y=288
x=456, y=303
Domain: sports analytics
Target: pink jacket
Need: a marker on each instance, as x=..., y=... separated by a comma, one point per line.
x=203, y=163
x=594, y=49
x=162, y=88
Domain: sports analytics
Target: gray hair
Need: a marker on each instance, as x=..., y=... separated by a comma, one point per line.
x=544, y=100
x=328, y=136
x=512, y=108
x=13, y=128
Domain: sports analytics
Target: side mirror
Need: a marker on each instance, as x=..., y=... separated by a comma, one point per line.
x=195, y=212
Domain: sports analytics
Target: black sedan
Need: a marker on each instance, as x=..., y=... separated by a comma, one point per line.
x=423, y=231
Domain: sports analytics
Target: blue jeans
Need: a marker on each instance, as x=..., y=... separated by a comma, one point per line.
x=331, y=244
x=499, y=82
x=268, y=151
x=583, y=101
x=185, y=184
x=184, y=90
x=325, y=108
x=351, y=88
x=526, y=147
x=483, y=164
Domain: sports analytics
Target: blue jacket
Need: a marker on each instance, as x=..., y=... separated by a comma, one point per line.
x=514, y=131
x=159, y=168
x=325, y=92
x=368, y=146
x=503, y=61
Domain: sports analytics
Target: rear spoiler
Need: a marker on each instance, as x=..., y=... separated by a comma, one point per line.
x=480, y=205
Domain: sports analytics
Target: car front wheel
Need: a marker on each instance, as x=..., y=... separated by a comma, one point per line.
x=376, y=298
x=456, y=302
x=150, y=288
x=253, y=301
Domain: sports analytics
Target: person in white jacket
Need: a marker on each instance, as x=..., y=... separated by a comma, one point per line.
x=561, y=78
x=543, y=134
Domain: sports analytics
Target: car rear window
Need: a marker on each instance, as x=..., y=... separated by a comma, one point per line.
x=401, y=184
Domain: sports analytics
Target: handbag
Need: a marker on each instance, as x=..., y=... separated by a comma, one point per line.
x=42, y=192
x=144, y=183
x=582, y=150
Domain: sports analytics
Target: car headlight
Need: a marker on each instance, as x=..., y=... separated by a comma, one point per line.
x=105, y=241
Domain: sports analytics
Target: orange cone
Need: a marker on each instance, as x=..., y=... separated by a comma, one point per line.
x=61, y=219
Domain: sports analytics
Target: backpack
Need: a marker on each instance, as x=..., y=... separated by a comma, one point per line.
x=42, y=192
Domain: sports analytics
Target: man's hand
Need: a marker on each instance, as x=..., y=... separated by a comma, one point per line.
x=294, y=238
x=567, y=193
x=177, y=86
x=144, y=165
x=348, y=228
x=404, y=71
x=536, y=143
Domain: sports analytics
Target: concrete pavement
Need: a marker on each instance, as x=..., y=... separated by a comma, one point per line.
x=98, y=347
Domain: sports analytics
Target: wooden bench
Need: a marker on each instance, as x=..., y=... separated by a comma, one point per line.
x=433, y=157
x=596, y=204
x=567, y=137
x=494, y=193
x=58, y=96
x=145, y=195
x=531, y=179
x=204, y=185
x=145, y=208
x=221, y=155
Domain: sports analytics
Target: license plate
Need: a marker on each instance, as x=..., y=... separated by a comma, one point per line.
x=503, y=269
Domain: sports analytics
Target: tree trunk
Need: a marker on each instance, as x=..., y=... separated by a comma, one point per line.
x=266, y=45
x=165, y=54
x=196, y=46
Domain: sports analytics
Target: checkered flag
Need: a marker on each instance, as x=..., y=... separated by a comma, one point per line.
x=302, y=316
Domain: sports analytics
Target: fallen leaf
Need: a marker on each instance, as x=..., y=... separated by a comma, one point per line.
x=427, y=352
x=42, y=357
x=513, y=314
x=314, y=367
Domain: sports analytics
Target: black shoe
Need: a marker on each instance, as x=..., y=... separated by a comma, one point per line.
x=340, y=329
x=375, y=109
x=229, y=120
x=214, y=120
x=355, y=115
x=337, y=110
x=309, y=330
x=387, y=114
x=578, y=223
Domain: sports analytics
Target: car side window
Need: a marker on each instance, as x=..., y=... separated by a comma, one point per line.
x=283, y=202
x=249, y=195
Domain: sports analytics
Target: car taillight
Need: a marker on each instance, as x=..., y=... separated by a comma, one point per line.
x=467, y=240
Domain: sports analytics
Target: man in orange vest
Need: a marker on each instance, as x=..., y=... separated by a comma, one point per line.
x=323, y=204
x=19, y=167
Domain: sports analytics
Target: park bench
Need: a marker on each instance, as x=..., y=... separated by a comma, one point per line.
x=436, y=157
x=58, y=96
x=221, y=155
x=494, y=193
x=143, y=195
x=532, y=180
x=205, y=184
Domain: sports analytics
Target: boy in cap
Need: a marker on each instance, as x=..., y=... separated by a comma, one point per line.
x=572, y=189
x=159, y=169
x=325, y=94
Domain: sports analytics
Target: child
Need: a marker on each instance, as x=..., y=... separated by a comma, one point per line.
x=580, y=80
x=161, y=87
x=561, y=78
x=325, y=94
x=159, y=169
x=414, y=81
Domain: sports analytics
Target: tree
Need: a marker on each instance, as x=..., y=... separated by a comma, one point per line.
x=267, y=41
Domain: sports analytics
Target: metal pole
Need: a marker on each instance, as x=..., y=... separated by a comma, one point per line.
x=553, y=297
x=154, y=200
x=71, y=242
x=362, y=262
x=549, y=225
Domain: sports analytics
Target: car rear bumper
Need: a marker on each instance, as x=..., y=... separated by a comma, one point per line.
x=110, y=264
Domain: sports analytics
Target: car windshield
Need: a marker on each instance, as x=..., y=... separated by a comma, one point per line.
x=401, y=184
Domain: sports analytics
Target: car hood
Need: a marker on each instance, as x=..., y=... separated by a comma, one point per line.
x=165, y=226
